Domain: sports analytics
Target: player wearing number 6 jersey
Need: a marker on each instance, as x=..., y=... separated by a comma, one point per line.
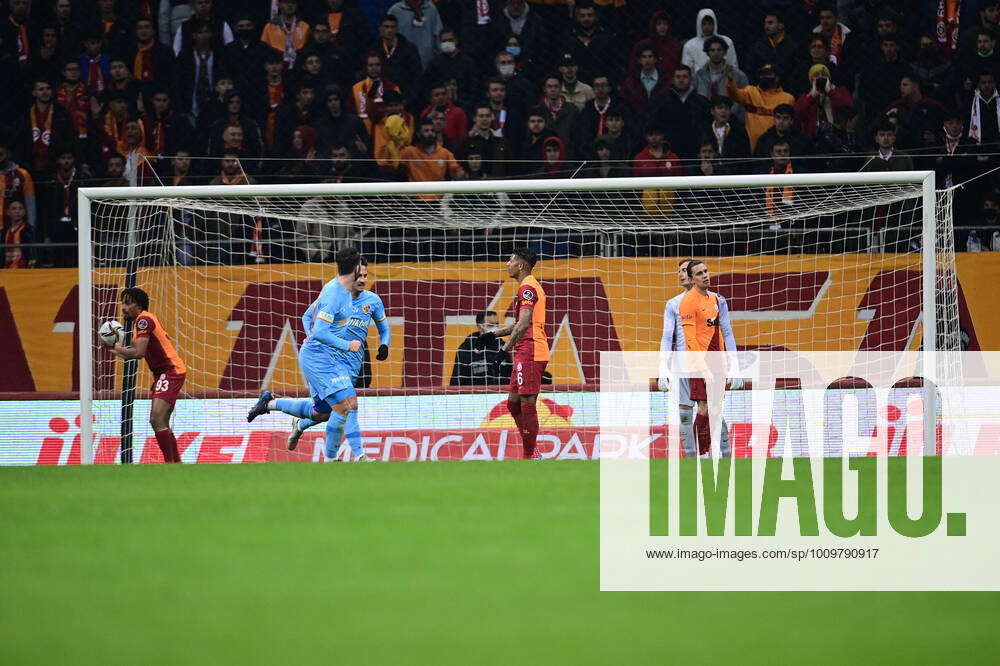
x=150, y=341
x=530, y=345
x=705, y=322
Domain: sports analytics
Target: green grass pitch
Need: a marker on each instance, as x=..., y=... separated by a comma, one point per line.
x=402, y=563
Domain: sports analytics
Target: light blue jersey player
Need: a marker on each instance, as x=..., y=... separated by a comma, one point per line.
x=367, y=308
x=326, y=360
x=673, y=340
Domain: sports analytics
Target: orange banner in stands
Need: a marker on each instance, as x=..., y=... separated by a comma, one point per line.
x=238, y=327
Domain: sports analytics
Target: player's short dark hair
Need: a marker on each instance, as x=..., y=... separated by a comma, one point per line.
x=692, y=264
x=688, y=259
x=388, y=17
x=527, y=255
x=348, y=259
x=684, y=67
x=481, y=316
x=885, y=126
x=362, y=262
x=137, y=296
x=785, y=110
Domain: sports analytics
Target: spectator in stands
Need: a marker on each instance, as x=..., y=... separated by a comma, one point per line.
x=456, y=122
x=419, y=23
x=573, y=90
x=986, y=238
x=954, y=161
x=819, y=54
x=984, y=57
x=114, y=27
x=784, y=130
x=197, y=68
x=121, y=81
x=347, y=27
x=821, y=102
x=203, y=13
x=437, y=117
x=369, y=92
x=776, y=47
x=887, y=158
x=244, y=57
x=111, y=131
x=694, y=55
x=759, y=100
x=935, y=71
x=710, y=80
x=984, y=111
x=592, y=121
x=180, y=169
x=16, y=231
x=531, y=154
x=290, y=116
x=684, y=111
x=619, y=134
x=642, y=90
x=149, y=60
x=451, y=63
x=656, y=159
x=600, y=161
x=478, y=363
x=426, y=160
x=43, y=125
x=388, y=131
x=72, y=95
x=521, y=91
x=232, y=231
x=68, y=28
x=508, y=121
x=838, y=142
x=553, y=159
x=560, y=116
x=286, y=33
x=45, y=59
x=968, y=40
x=250, y=144
x=728, y=135
x=300, y=164
x=668, y=50
x=525, y=34
x=16, y=184
x=323, y=60
x=708, y=162
x=917, y=117
x=879, y=82
x=164, y=128
x=114, y=170
x=15, y=32
x=95, y=64
x=495, y=149
x=336, y=126
x=273, y=97
x=58, y=217
x=833, y=31
x=342, y=166
x=592, y=47
x=864, y=47
x=482, y=32
x=399, y=59
x=778, y=201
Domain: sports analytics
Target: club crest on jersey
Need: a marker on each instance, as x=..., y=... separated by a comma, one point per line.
x=367, y=309
x=142, y=324
x=528, y=295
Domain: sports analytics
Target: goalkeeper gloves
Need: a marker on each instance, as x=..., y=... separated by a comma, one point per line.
x=663, y=383
x=383, y=353
x=486, y=339
x=736, y=383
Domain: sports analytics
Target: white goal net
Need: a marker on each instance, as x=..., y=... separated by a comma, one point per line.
x=826, y=262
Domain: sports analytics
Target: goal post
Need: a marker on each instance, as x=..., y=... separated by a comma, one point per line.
x=282, y=234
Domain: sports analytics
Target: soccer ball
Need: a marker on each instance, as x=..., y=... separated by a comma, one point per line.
x=111, y=332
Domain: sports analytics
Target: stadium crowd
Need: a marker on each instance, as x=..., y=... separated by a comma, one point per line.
x=112, y=92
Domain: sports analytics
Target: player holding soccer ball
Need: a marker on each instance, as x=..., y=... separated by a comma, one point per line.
x=151, y=342
x=530, y=345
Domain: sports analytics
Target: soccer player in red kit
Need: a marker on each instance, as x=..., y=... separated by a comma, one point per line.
x=530, y=346
x=150, y=341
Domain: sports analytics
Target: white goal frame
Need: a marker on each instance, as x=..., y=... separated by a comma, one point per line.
x=87, y=194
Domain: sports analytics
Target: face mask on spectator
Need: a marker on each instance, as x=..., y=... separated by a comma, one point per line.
x=447, y=47
x=514, y=50
x=505, y=70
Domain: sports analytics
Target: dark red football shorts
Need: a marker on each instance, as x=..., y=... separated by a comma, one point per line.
x=167, y=386
x=526, y=375
x=698, y=390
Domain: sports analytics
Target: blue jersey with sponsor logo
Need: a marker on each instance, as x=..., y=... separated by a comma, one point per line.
x=365, y=310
